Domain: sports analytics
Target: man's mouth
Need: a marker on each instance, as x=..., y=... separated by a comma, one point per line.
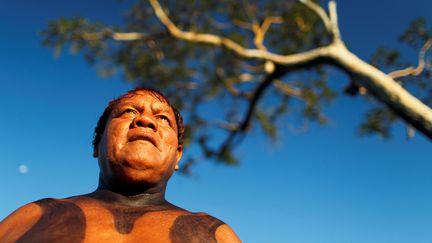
x=143, y=137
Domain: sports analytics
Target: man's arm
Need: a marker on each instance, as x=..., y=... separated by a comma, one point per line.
x=224, y=234
x=19, y=222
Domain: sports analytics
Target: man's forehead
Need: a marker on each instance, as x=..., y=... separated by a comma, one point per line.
x=141, y=96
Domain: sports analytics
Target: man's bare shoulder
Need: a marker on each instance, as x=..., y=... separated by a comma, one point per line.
x=191, y=226
x=224, y=234
x=45, y=220
x=18, y=222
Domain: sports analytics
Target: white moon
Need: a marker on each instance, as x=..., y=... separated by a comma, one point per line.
x=23, y=169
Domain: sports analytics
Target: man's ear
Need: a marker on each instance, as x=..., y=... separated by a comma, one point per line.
x=179, y=155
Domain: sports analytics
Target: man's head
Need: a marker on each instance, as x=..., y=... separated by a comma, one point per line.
x=138, y=138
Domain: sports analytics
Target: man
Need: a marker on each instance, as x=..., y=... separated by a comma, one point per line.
x=138, y=143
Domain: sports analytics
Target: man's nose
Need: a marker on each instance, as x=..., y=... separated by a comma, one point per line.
x=144, y=121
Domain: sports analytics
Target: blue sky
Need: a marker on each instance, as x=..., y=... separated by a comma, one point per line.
x=325, y=185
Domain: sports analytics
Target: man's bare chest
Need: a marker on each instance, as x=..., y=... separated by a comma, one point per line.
x=70, y=222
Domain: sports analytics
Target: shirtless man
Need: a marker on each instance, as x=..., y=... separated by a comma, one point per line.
x=138, y=143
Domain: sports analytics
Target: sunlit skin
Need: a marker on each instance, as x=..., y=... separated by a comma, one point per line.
x=139, y=149
x=137, y=154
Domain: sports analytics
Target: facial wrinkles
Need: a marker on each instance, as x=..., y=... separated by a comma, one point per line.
x=149, y=106
x=162, y=108
x=166, y=135
x=157, y=108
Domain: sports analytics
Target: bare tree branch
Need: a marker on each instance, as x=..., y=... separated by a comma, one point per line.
x=302, y=25
x=380, y=85
x=130, y=36
x=242, y=24
x=260, y=31
x=251, y=68
x=386, y=89
x=245, y=123
x=320, y=12
x=228, y=126
x=288, y=89
x=294, y=59
x=410, y=131
x=229, y=85
x=334, y=21
x=415, y=71
x=330, y=21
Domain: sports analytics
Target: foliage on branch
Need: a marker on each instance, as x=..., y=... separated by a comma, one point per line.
x=242, y=93
x=379, y=119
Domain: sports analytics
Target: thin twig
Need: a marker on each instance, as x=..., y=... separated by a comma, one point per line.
x=302, y=25
x=245, y=123
x=242, y=24
x=287, y=89
x=334, y=21
x=260, y=31
x=410, y=131
x=415, y=71
x=293, y=59
x=320, y=12
x=330, y=21
x=114, y=35
x=228, y=126
x=229, y=85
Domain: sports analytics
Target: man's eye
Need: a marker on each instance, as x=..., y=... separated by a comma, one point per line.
x=163, y=118
x=128, y=111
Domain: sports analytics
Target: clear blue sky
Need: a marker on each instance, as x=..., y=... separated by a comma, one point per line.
x=326, y=185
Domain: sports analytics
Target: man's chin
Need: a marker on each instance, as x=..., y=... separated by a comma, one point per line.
x=141, y=175
x=142, y=148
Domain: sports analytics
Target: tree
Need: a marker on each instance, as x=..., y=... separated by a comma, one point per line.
x=259, y=64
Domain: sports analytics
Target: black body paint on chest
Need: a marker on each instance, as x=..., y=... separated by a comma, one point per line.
x=194, y=229
x=124, y=215
x=59, y=222
x=65, y=222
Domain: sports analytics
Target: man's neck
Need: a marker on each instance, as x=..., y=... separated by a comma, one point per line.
x=130, y=195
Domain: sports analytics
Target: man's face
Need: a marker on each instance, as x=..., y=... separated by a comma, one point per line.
x=140, y=142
